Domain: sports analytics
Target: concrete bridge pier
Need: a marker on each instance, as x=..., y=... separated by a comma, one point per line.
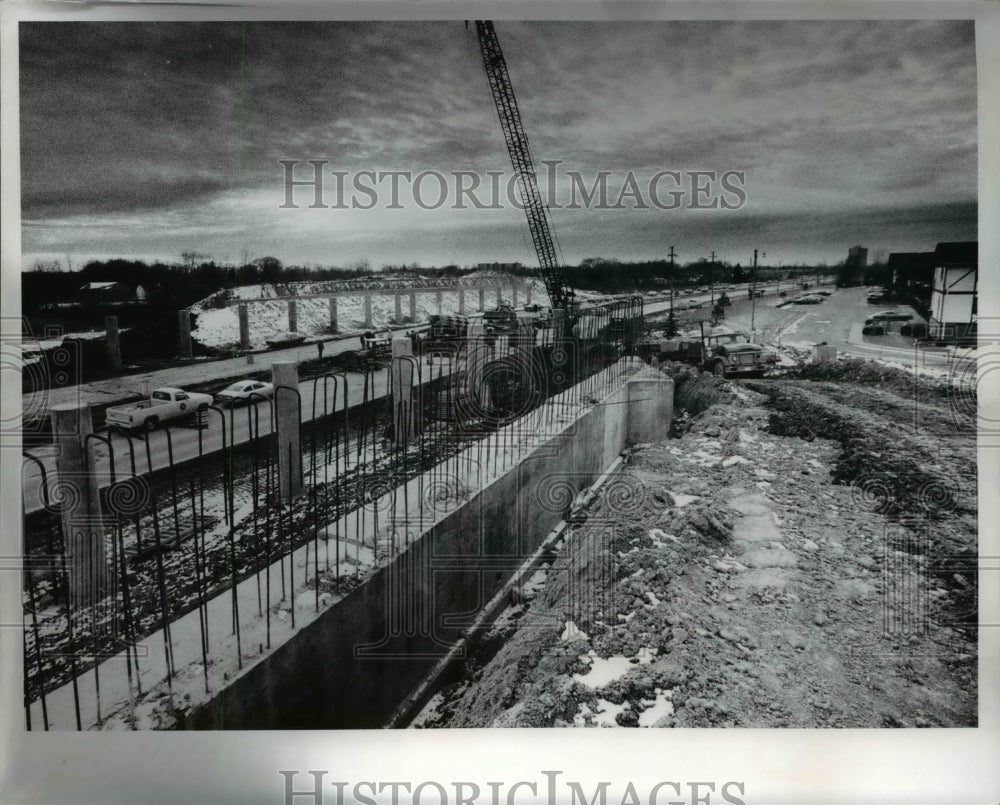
x=437, y=302
x=499, y=296
x=184, y=327
x=479, y=354
x=513, y=295
x=293, y=316
x=482, y=299
x=398, y=300
x=333, y=314
x=286, y=409
x=461, y=302
x=244, y=315
x=113, y=342
x=76, y=486
x=413, y=306
x=527, y=293
x=368, y=310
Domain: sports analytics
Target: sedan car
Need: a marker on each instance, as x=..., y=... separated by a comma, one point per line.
x=244, y=391
x=873, y=329
x=915, y=329
x=809, y=299
x=891, y=315
x=285, y=340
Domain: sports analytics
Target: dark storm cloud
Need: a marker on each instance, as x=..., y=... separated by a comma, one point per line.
x=124, y=121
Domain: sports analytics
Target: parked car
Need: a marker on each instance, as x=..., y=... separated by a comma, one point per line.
x=164, y=404
x=285, y=340
x=808, y=299
x=917, y=329
x=891, y=315
x=244, y=391
x=873, y=329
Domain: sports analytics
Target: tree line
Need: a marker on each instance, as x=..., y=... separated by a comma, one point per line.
x=178, y=285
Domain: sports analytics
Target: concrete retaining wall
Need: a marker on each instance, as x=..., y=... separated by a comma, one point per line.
x=353, y=665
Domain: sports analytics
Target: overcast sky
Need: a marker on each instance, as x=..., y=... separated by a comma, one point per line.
x=149, y=140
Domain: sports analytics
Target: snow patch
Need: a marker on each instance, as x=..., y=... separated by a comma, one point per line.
x=680, y=501
x=572, y=632
x=605, y=671
x=660, y=707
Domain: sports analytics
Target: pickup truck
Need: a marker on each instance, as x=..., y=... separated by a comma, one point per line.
x=164, y=403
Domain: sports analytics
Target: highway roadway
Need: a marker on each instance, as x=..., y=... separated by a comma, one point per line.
x=836, y=321
x=225, y=426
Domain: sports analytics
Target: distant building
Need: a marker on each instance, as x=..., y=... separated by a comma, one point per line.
x=912, y=271
x=100, y=292
x=853, y=271
x=955, y=292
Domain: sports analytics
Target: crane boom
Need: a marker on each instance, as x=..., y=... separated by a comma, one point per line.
x=553, y=275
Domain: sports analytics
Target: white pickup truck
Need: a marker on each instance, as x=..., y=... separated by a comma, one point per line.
x=165, y=403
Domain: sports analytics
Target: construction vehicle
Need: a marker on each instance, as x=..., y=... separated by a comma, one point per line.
x=445, y=336
x=376, y=350
x=562, y=297
x=569, y=334
x=724, y=354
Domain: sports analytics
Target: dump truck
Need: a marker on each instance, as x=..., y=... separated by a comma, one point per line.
x=163, y=404
x=725, y=354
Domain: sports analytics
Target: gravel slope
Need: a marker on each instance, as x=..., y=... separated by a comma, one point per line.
x=774, y=566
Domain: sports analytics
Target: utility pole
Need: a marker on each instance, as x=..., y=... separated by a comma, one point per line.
x=753, y=291
x=671, y=326
x=712, y=269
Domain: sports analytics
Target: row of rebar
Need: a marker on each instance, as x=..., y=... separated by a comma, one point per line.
x=172, y=549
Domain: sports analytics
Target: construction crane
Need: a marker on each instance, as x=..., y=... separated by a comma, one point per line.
x=562, y=297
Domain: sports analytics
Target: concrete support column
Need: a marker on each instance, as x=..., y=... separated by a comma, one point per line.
x=650, y=408
x=368, y=310
x=77, y=487
x=527, y=293
x=413, y=306
x=479, y=354
x=398, y=299
x=333, y=314
x=499, y=296
x=513, y=295
x=285, y=376
x=482, y=299
x=184, y=326
x=461, y=302
x=405, y=407
x=293, y=316
x=437, y=302
x=244, y=314
x=113, y=342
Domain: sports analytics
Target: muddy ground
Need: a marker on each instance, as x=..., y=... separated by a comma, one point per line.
x=801, y=554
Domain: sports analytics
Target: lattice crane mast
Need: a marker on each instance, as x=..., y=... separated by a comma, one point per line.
x=553, y=275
